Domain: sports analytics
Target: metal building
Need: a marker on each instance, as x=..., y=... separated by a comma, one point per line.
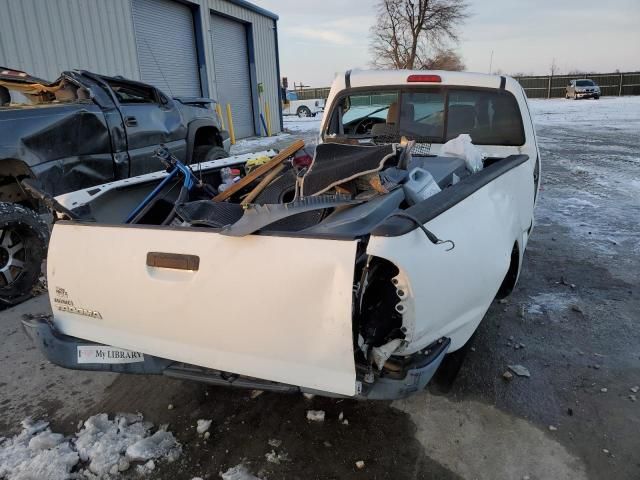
x=223, y=49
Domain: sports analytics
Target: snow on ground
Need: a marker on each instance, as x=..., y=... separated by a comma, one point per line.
x=298, y=125
x=307, y=128
x=102, y=448
x=617, y=113
x=606, y=164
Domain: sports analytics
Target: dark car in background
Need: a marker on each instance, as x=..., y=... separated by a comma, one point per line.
x=82, y=130
x=582, y=88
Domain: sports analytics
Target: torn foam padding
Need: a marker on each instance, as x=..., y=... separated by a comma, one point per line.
x=210, y=214
x=335, y=163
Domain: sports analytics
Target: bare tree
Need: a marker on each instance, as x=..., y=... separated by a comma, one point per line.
x=409, y=32
x=554, y=67
x=445, y=59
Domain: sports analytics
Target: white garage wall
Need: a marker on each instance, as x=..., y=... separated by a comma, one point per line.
x=45, y=37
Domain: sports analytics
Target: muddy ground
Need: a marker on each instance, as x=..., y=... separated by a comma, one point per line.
x=575, y=312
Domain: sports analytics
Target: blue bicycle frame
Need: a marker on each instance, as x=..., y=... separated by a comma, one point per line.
x=176, y=167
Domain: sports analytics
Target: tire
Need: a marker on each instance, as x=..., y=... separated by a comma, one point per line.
x=444, y=378
x=303, y=112
x=23, y=244
x=597, y=97
x=206, y=153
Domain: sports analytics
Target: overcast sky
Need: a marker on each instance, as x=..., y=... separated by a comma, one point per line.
x=321, y=37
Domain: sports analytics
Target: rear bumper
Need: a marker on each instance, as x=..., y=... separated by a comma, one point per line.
x=62, y=350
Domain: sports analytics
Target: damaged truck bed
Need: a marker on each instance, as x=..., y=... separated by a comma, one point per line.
x=353, y=273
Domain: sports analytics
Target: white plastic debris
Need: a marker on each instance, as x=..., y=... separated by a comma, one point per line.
x=239, y=472
x=420, y=185
x=203, y=426
x=315, y=415
x=360, y=464
x=519, y=370
x=381, y=354
x=462, y=147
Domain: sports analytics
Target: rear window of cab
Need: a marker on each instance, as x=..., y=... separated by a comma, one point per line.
x=428, y=114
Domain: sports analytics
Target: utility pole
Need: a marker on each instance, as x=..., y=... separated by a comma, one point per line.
x=491, y=62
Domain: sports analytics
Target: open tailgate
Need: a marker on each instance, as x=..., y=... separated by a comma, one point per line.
x=269, y=307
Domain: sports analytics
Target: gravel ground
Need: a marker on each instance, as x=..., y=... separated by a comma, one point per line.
x=572, y=322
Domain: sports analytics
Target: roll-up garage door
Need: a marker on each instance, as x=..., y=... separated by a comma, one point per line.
x=166, y=46
x=233, y=82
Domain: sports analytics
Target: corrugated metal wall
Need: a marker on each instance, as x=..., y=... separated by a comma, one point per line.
x=45, y=37
x=265, y=51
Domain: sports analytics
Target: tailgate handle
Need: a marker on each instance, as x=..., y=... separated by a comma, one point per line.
x=177, y=261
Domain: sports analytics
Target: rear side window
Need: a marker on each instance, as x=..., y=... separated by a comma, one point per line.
x=128, y=93
x=428, y=114
x=489, y=117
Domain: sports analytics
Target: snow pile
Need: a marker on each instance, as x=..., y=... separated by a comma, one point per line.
x=104, y=447
x=238, y=472
x=36, y=452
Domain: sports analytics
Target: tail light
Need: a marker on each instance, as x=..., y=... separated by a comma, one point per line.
x=424, y=79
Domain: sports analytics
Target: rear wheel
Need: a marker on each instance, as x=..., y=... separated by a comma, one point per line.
x=303, y=112
x=23, y=243
x=205, y=153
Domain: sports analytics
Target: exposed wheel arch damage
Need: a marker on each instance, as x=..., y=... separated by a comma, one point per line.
x=511, y=277
x=12, y=172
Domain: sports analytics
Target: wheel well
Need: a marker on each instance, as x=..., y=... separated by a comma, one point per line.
x=207, y=136
x=12, y=172
x=510, y=279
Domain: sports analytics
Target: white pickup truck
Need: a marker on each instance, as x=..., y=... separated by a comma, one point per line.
x=302, y=108
x=341, y=278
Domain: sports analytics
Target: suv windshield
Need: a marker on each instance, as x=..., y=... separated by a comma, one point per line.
x=584, y=83
x=431, y=115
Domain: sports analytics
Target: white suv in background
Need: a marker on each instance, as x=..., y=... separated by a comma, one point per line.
x=582, y=88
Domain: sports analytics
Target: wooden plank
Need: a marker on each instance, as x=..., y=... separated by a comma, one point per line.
x=261, y=170
x=268, y=178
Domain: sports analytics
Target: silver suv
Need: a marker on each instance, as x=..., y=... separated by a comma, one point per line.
x=582, y=89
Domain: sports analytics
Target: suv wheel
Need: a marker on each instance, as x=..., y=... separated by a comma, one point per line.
x=303, y=112
x=23, y=244
x=206, y=153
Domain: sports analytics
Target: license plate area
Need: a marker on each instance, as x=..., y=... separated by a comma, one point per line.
x=106, y=355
